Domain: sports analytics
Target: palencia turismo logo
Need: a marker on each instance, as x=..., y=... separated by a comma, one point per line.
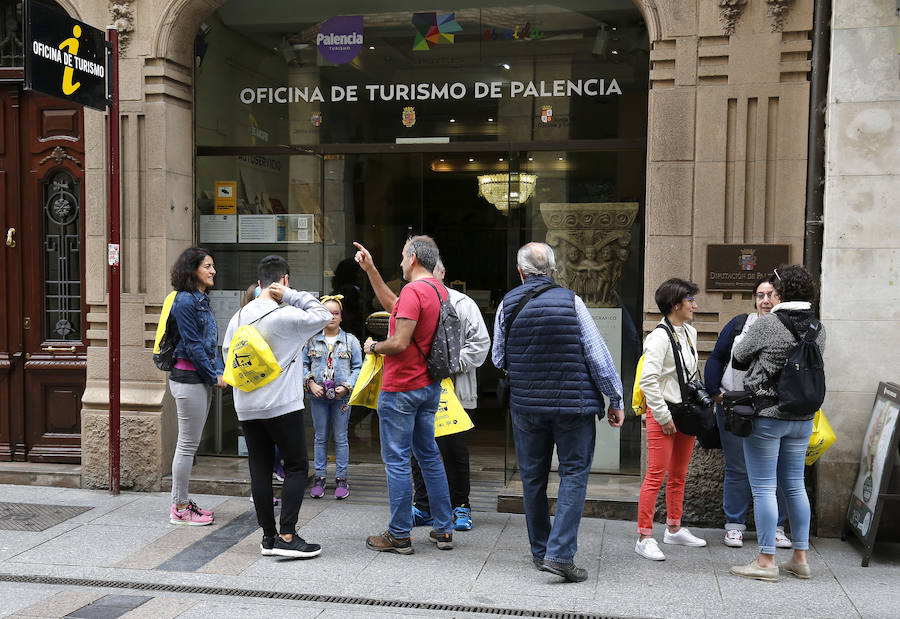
x=354, y=38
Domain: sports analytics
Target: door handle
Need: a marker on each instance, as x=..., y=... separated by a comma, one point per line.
x=58, y=349
x=11, y=237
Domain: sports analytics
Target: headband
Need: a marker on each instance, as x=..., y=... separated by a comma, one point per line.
x=334, y=297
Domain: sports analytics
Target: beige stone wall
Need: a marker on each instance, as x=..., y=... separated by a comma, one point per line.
x=726, y=162
x=861, y=259
x=156, y=89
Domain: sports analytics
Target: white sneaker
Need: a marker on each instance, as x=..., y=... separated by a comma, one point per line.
x=683, y=538
x=649, y=549
x=781, y=540
x=734, y=538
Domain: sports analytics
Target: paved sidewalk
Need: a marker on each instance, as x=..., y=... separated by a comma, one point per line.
x=138, y=565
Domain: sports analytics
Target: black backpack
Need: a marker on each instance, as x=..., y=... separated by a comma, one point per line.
x=443, y=359
x=801, y=384
x=165, y=358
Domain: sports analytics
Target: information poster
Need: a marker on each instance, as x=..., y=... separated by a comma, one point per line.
x=226, y=197
x=606, y=451
x=878, y=451
x=225, y=304
x=295, y=229
x=257, y=228
x=218, y=229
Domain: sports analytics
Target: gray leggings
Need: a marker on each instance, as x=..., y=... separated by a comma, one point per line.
x=192, y=403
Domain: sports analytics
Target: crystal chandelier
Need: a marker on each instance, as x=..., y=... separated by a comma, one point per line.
x=506, y=191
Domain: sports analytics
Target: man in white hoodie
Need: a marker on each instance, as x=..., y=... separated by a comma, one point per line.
x=270, y=414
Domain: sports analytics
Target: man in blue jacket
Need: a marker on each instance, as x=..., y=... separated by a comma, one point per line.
x=559, y=369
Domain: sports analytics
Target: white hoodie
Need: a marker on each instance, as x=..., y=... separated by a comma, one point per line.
x=286, y=331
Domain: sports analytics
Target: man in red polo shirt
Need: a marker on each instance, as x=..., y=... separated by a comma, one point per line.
x=409, y=395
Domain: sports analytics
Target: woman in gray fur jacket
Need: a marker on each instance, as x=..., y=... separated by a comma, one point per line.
x=776, y=448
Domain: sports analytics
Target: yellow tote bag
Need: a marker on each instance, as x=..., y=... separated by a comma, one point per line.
x=821, y=439
x=638, y=400
x=368, y=384
x=451, y=417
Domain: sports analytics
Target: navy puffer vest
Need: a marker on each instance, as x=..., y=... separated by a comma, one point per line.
x=548, y=374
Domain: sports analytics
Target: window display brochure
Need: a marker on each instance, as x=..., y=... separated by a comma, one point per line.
x=218, y=228
x=257, y=228
x=876, y=461
x=295, y=229
x=225, y=304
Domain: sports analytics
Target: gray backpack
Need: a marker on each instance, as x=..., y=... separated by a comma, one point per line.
x=443, y=359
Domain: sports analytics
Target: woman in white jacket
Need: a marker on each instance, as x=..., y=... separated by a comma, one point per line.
x=668, y=450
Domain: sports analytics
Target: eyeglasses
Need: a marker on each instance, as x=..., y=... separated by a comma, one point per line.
x=337, y=313
x=764, y=295
x=689, y=299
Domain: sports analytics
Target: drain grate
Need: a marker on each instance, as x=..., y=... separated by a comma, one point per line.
x=36, y=517
x=299, y=597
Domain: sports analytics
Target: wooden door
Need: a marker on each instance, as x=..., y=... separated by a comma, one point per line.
x=42, y=344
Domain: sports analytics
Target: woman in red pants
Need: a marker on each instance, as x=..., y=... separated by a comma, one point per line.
x=668, y=450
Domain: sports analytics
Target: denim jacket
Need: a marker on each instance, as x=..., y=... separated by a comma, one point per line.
x=197, y=328
x=346, y=359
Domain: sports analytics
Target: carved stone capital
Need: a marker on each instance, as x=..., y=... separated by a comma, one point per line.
x=777, y=10
x=730, y=12
x=591, y=243
x=122, y=13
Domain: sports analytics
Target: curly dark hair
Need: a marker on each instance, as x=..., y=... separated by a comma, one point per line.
x=184, y=271
x=794, y=283
x=671, y=292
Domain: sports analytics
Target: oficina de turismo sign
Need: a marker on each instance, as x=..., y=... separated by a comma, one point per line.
x=64, y=57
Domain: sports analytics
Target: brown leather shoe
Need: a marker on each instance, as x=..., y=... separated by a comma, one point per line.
x=388, y=543
x=753, y=570
x=800, y=570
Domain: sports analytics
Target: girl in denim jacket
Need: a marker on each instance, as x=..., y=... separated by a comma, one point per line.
x=331, y=364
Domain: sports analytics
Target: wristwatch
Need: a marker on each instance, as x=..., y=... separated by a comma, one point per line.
x=372, y=347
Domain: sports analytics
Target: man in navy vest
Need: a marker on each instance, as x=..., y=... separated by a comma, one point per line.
x=559, y=370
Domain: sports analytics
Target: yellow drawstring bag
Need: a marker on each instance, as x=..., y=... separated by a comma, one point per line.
x=821, y=439
x=251, y=362
x=451, y=417
x=368, y=384
x=638, y=400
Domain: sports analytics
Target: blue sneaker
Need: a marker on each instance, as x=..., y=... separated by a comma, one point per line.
x=462, y=518
x=421, y=518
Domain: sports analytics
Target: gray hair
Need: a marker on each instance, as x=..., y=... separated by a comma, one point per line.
x=439, y=267
x=424, y=249
x=536, y=259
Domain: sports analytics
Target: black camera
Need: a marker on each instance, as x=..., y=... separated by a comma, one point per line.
x=698, y=392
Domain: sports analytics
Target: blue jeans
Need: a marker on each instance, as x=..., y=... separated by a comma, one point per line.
x=736, y=495
x=327, y=414
x=774, y=453
x=574, y=437
x=406, y=422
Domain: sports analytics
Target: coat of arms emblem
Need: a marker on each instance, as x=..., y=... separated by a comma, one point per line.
x=747, y=259
x=546, y=113
x=316, y=119
x=409, y=116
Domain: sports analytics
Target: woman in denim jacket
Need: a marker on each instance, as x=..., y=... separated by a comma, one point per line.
x=198, y=369
x=331, y=364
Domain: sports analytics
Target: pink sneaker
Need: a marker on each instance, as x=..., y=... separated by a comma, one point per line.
x=189, y=516
x=205, y=512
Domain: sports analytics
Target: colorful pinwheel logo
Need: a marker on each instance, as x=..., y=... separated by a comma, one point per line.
x=433, y=29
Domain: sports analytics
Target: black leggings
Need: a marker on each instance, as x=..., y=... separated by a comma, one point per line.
x=455, y=454
x=262, y=435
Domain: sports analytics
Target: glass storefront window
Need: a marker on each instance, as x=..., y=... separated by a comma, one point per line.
x=481, y=174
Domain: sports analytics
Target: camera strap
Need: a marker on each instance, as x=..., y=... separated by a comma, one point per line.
x=679, y=358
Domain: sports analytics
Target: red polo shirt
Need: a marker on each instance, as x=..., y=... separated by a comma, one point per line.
x=407, y=371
